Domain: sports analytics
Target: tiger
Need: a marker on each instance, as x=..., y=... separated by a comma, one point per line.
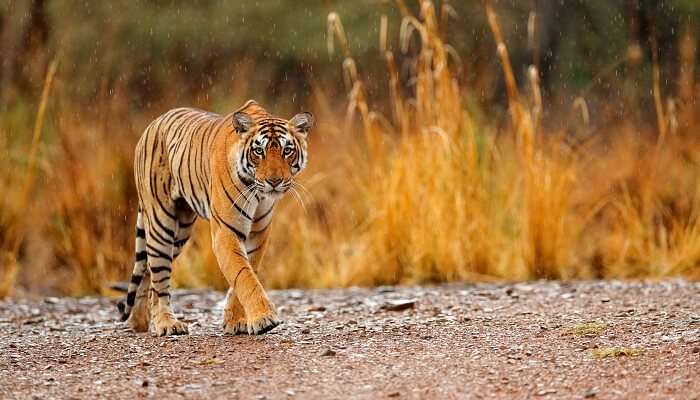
x=230, y=170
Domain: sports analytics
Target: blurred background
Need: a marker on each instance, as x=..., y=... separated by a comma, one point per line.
x=456, y=140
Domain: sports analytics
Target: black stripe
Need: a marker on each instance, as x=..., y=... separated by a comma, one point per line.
x=261, y=230
x=255, y=249
x=260, y=218
x=238, y=233
x=158, y=254
x=235, y=280
x=180, y=243
x=157, y=270
x=136, y=279
x=186, y=224
x=167, y=230
x=141, y=233
x=130, y=298
x=161, y=280
x=201, y=176
x=153, y=160
x=166, y=294
x=141, y=256
x=242, y=162
x=179, y=141
x=230, y=198
x=158, y=237
x=201, y=124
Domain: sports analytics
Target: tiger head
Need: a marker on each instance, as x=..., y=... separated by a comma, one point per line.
x=273, y=150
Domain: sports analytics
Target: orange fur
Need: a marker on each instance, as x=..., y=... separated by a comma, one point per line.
x=230, y=170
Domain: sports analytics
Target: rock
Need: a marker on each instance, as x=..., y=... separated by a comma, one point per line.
x=399, y=305
x=141, y=382
x=328, y=353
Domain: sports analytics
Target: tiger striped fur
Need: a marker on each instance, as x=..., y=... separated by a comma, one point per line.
x=230, y=170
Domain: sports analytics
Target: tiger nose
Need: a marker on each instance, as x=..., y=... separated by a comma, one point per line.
x=274, y=181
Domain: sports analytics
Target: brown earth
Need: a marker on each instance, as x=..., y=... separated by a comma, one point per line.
x=458, y=341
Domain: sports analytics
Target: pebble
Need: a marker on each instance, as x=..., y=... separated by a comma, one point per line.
x=426, y=326
x=399, y=305
x=328, y=353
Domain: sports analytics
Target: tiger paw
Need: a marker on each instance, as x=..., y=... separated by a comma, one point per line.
x=140, y=317
x=235, y=327
x=170, y=326
x=137, y=323
x=263, y=324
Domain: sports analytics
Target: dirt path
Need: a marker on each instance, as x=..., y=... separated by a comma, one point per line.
x=476, y=341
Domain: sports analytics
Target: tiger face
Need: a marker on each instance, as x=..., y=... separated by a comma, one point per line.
x=273, y=151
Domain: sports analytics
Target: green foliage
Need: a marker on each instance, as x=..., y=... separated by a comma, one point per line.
x=152, y=43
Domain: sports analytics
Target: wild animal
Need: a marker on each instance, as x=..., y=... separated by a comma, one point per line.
x=231, y=170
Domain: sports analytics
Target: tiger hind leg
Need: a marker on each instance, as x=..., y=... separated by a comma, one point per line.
x=134, y=309
x=161, y=231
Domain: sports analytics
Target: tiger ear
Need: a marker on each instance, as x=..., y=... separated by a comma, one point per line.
x=303, y=123
x=242, y=122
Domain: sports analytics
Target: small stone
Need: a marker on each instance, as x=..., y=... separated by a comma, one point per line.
x=328, y=353
x=399, y=305
x=141, y=382
x=590, y=393
x=394, y=394
x=306, y=331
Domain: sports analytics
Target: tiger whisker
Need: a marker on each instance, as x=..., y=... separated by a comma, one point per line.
x=244, y=194
x=304, y=189
x=299, y=200
x=249, y=206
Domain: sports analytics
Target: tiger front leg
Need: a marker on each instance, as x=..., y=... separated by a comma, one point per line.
x=260, y=314
x=235, y=321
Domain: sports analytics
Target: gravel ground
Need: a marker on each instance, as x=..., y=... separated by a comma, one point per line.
x=534, y=340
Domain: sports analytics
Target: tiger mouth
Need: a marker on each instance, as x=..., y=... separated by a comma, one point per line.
x=279, y=190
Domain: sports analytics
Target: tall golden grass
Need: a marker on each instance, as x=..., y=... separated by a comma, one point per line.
x=426, y=192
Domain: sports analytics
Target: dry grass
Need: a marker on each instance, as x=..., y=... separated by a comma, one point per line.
x=426, y=192
x=587, y=329
x=605, y=352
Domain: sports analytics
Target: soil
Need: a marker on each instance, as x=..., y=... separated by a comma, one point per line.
x=533, y=340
